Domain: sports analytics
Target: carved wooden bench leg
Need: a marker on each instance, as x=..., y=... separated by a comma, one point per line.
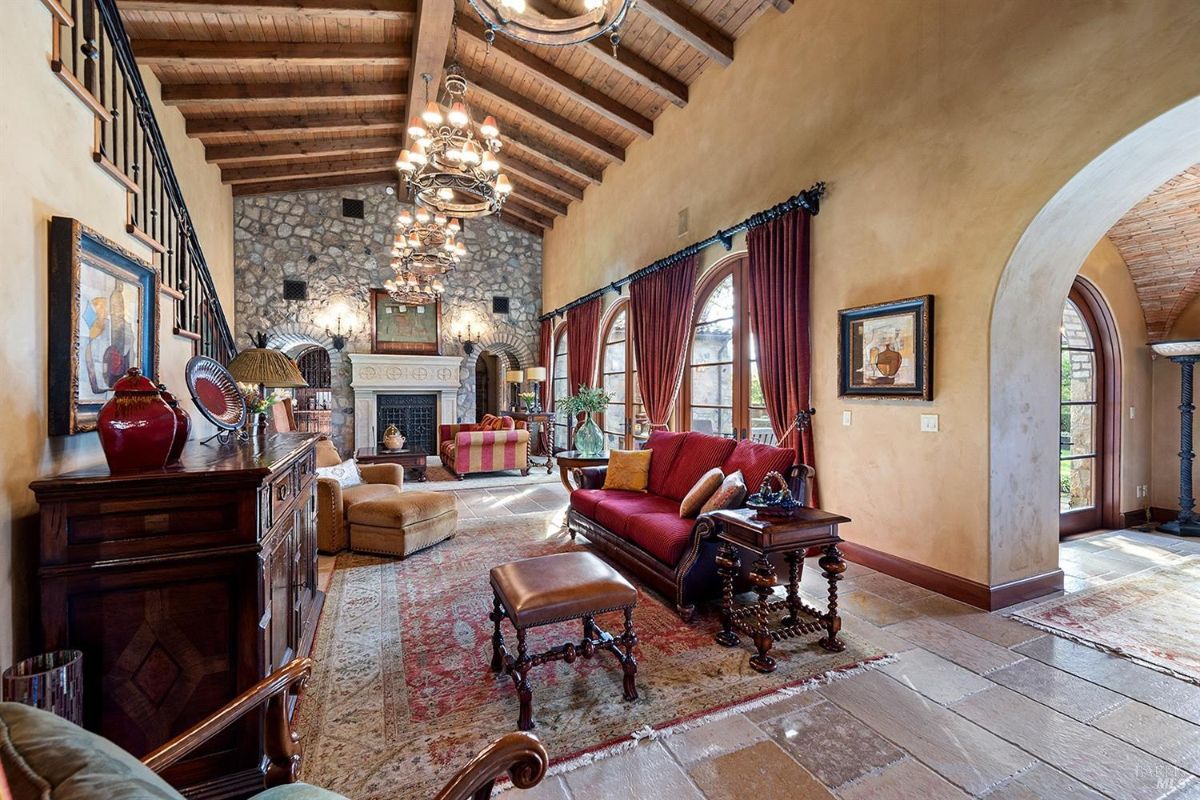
x=497, y=616
x=520, y=677
x=629, y=663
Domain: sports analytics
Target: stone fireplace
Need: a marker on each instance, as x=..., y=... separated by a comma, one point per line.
x=414, y=389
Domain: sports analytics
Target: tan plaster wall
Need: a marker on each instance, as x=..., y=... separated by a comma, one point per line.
x=941, y=132
x=47, y=133
x=1108, y=272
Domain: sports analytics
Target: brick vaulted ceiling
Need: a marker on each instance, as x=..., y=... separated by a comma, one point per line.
x=298, y=94
x=1160, y=241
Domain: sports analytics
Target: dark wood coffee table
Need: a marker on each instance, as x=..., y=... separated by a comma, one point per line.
x=739, y=529
x=570, y=459
x=411, y=458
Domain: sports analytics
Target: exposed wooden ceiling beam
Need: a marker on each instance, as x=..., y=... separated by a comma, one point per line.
x=561, y=81
x=179, y=51
x=640, y=71
x=431, y=39
x=516, y=208
x=286, y=124
x=206, y=93
x=527, y=149
x=691, y=28
x=314, y=168
x=541, y=178
x=345, y=9
x=537, y=200
x=587, y=139
x=236, y=153
x=302, y=184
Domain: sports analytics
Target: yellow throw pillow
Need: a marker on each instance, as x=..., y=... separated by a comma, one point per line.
x=698, y=495
x=628, y=469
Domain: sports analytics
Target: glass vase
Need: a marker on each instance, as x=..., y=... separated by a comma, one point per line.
x=589, y=439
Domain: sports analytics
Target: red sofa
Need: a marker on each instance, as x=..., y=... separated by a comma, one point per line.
x=643, y=532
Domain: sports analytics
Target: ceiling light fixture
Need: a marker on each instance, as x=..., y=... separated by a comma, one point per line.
x=524, y=21
x=426, y=242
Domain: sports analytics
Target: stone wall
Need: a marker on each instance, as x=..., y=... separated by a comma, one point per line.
x=303, y=235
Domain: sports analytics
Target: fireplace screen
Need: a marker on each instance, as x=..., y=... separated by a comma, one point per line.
x=414, y=414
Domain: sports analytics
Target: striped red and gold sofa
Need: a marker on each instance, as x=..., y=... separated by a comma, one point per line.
x=470, y=448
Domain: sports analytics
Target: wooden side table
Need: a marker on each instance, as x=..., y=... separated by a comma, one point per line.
x=570, y=459
x=539, y=446
x=411, y=458
x=739, y=529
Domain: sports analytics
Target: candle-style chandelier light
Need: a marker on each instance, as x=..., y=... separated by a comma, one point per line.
x=413, y=289
x=452, y=166
x=515, y=19
x=426, y=243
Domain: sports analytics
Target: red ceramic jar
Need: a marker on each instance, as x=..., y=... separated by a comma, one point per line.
x=137, y=427
x=183, y=424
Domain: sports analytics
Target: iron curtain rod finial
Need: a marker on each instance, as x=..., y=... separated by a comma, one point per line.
x=809, y=200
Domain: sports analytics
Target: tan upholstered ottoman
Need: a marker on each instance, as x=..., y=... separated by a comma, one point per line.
x=402, y=524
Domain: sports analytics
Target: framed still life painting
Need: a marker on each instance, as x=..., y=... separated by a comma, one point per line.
x=404, y=328
x=103, y=320
x=886, y=350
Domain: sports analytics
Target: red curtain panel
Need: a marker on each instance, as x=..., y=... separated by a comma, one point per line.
x=779, y=317
x=661, y=318
x=583, y=341
x=546, y=358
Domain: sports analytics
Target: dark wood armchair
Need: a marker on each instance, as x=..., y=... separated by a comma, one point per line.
x=520, y=755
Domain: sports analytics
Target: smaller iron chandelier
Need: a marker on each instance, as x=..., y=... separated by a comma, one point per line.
x=516, y=20
x=426, y=242
x=413, y=289
x=452, y=167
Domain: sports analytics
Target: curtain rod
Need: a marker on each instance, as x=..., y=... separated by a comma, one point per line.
x=809, y=200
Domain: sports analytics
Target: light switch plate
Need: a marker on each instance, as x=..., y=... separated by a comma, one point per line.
x=929, y=423
x=847, y=418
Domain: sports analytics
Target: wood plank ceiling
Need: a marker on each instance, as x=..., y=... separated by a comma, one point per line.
x=1159, y=239
x=289, y=95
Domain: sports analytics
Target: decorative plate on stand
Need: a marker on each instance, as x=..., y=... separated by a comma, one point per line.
x=215, y=393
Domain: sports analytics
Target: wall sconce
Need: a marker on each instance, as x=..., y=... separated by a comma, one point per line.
x=339, y=336
x=467, y=342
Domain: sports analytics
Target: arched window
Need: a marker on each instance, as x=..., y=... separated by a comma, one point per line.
x=560, y=386
x=721, y=392
x=1089, y=417
x=624, y=421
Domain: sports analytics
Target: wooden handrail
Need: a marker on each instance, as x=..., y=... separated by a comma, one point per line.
x=282, y=745
x=521, y=755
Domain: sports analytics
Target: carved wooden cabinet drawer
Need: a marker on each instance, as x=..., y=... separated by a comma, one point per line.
x=183, y=587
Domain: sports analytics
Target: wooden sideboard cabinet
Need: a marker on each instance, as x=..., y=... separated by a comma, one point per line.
x=182, y=588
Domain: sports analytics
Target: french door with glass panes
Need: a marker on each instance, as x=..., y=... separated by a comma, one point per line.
x=1082, y=419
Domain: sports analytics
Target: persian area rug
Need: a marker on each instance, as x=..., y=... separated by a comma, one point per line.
x=1151, y=617
x=440, y=479
x=402, y=696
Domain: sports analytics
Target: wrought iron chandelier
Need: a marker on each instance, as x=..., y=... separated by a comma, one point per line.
x=515, y=19
x=426, y=243
x=413, y=289
x=452, y=167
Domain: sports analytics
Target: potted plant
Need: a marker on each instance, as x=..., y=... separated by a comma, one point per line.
x=589, y=439
x=258, y=405
x=527, y=399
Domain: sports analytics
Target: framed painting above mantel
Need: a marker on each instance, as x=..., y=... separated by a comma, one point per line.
x=103, y=319
x=404, y=328
x=886, y=350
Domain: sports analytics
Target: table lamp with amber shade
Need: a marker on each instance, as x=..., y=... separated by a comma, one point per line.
x=263, y=366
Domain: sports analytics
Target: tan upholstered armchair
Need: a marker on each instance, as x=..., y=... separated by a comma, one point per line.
x=379, y=481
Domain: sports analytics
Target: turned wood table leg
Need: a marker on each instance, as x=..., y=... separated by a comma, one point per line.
x=524, y=692
x=763, y=578
x=795, y=560
x=629, y=663
x=833, y=567
x=497, y=616
x=728, y=566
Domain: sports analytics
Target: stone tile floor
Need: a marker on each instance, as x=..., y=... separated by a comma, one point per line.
x=976, y=705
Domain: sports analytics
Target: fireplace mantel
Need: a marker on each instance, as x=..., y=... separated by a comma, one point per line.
x=373, y=374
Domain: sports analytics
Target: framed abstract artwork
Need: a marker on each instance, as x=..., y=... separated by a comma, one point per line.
x=103, y=320
x=404, y=328
x=886, y=350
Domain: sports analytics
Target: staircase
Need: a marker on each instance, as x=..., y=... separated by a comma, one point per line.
x=91, y=54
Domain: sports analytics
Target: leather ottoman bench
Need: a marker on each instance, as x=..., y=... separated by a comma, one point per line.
x=558, y=588
x=403, y=523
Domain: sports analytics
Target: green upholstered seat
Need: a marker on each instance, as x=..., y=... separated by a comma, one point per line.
x=46, y=757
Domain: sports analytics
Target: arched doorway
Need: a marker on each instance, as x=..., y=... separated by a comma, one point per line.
x=1023, y=492
x=313, y=404
x=1089, y=413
